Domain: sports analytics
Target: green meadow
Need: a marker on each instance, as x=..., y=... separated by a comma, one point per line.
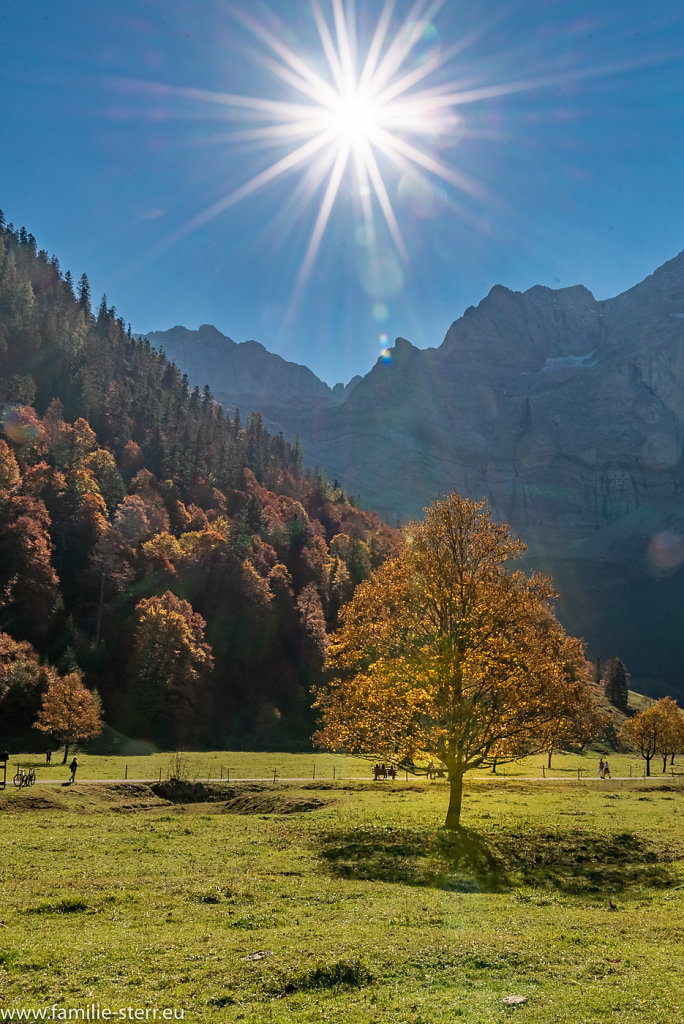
x=345, y=901
x=308, y=767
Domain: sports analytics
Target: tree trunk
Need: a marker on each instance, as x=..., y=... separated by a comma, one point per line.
x=664, y=763
x=550, y=753
x=66, y=752
x=453, y=818
x=648, y=765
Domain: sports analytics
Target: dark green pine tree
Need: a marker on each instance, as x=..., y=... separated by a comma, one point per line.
x=616, y=683
x=69, y=286
x=84, y=295
x=103, y=316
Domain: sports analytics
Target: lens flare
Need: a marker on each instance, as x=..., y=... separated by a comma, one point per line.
x=20, y=425
x=666, y=551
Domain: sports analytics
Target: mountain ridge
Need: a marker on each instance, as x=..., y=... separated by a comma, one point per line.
x=565, y=411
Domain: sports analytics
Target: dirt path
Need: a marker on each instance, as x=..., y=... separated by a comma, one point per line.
x=365, y=778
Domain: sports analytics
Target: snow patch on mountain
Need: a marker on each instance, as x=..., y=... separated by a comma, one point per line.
x=570, y=362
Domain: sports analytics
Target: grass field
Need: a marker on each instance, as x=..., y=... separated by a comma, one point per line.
x=259, y=765
x=347, y=902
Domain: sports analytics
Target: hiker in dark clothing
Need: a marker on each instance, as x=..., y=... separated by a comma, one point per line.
x=72, y=768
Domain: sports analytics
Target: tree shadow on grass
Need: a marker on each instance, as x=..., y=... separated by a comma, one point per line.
x=574, y=863
x=461, y=861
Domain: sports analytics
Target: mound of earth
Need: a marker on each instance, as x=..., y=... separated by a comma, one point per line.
x=135, y=789
x=182, y=791
x=31, y=802
x=272, y=803
x=244, y=799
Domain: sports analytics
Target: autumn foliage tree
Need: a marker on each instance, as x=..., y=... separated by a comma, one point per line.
x=70, y=711
x=171, y=663
x=579, y=721
x=23, y=681
x=659, y=729
x=445, y=652
x=28, y=582
x=672, y=741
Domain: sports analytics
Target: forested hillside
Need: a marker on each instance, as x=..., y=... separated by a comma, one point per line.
x=181, y=560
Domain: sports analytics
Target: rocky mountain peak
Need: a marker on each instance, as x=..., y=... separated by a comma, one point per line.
x=663, y=288
x=341, y=392
x=520, y=331
x=403, y=347
x=209, y=331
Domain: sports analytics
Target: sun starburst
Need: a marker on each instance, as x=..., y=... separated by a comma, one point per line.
x=372, y=103
x=367, y=110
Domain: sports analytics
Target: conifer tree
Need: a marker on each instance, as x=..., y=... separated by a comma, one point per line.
x=616, y=683
x=69, y=286
x=84, y=295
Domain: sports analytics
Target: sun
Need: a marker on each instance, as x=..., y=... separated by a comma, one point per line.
x=376, y=106
x=355, y=119
x=360, y=107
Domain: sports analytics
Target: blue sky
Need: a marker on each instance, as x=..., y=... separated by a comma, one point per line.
x=564, y=166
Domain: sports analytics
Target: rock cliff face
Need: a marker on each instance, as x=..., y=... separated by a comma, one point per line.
x=565, y=412
x=247, y=376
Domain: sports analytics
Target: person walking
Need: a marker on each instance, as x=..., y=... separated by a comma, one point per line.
x=606, y=770
x=602, y=768
x=72, y=768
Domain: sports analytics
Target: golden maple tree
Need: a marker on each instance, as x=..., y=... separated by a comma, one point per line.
x=170, y=666
x=70, y=711
x=445, y=652
x=659, y=729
